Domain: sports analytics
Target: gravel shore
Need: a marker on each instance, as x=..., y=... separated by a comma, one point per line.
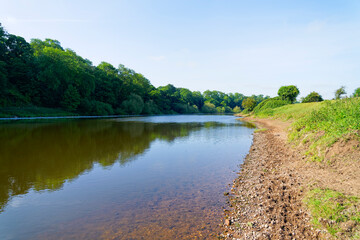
x=266, y=198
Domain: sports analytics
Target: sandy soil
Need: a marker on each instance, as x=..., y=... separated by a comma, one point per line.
x=266, y=198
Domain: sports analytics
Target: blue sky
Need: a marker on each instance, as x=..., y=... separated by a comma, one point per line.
x=251, y=47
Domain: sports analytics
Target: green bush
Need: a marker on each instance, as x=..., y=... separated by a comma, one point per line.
x=133, y=105
x=356, y=92
x=266, y=106
x=249, y=104
x=71, y=99
x=236, y=109
x=95, y=108
x=340, y=92
x=151, y=108
x=288, y=93
x=208, y=108
x=185, y=108
x=312, y=97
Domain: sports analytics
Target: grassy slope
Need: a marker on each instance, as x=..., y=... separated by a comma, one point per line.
x=319, y=126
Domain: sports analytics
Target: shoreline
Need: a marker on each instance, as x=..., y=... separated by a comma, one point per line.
x=266, y=198
x=68, y=117
x=105, y=116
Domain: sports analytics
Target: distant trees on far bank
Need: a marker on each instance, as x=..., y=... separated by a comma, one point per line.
x=42, y=73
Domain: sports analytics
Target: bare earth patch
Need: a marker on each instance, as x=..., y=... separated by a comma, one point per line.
x=266, y=200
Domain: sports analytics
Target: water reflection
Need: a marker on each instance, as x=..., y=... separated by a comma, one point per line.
x=139, y=178
x=43, y=156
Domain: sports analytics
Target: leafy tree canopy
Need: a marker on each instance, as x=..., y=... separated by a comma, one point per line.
x=249, y=104
x=312, y=97
x=289, y=93
x=340, y=92
x=357, y=92
x=42, y=73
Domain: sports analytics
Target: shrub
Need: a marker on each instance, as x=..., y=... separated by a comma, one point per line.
x=312, y=97
x=249, y=104
x=236, y=109
x=269, y=104
x=185, y=108
x=208, y=108
x=339, y=92
x=356, y=92
x=95, y=108
x=71, y=99
x=288, y=93
x=151, y=108
x=133, y=105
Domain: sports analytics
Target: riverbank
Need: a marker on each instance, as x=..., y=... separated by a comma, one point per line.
x=280, y=194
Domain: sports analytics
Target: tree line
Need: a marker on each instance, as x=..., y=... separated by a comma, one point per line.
x=42, y=73
x=287, y=95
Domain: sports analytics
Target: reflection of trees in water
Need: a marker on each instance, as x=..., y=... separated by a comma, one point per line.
x=44, y=156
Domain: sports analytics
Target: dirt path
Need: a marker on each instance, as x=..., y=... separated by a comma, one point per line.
x=266, y=198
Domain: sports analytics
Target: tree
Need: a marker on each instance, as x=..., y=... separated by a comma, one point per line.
x=208, y=108
x=198, y=99
x=288, y=93
x=236, y=109
x=71, y=99
x=339, y=92
x=357, y=92
x=312, y=97
x=249, y=104
x=134, y=105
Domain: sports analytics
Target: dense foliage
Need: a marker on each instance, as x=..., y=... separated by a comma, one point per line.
x=44, y=74
x=356, y=92
x=312, y=97
x=268, y=105
x=249, y=104
x=288, y=93
x=340, y=92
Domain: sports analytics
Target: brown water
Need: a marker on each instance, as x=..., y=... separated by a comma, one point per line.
x=132, y=178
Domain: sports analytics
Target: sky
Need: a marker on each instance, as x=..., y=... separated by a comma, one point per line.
x=250, y=47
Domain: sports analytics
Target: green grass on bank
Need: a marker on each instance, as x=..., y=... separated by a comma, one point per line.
x=9, y=112
x=290, y=111
x=334, y=212
x=319, y=124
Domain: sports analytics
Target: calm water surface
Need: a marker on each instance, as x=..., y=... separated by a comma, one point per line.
x=130, y=178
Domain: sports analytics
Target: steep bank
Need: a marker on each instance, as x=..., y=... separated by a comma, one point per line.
x=267, y=199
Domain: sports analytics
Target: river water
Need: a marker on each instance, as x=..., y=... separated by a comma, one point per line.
x=161, y=177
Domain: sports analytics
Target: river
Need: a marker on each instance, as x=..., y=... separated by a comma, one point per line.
x=160, y=177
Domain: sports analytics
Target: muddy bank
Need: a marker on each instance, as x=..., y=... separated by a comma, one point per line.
x=266, y=198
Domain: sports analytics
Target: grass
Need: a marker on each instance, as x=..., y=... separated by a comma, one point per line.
x=332, y=210
x=291, y=111
x=31, y=111
x=266, y=107
x=320, y=124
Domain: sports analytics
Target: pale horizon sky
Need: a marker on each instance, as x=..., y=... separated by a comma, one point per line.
x=250, y=47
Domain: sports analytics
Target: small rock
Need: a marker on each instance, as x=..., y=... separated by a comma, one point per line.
x=227, y=222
